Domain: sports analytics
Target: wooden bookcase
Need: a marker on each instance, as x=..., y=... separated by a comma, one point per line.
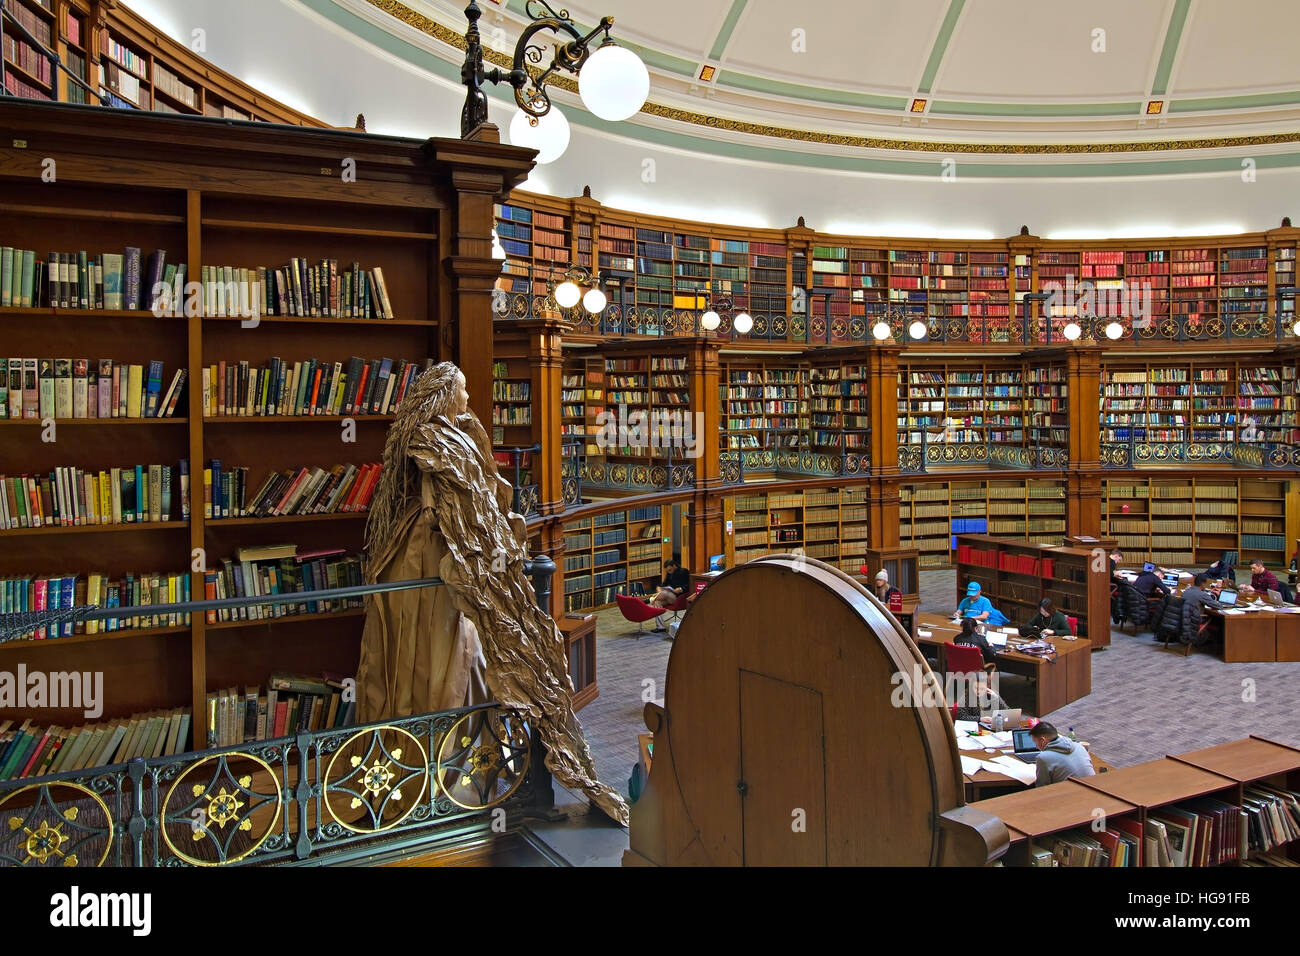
x=241, y=195
x=606, y=553
x=129, y=62
x=829, y=524
x=932, y=512
x=1188, y=522
x=1136, y=795
x=1015, y=576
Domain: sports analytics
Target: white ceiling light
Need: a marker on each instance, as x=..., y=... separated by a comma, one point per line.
x=880, y=330
x=594, y=301
x=1072, y=330
x=548, y=134
x=614, y=83
x=917, y=329
x=567, y=295
x=1114, y=330
x=743, y=323
x=710, y=320
x=1295, y=329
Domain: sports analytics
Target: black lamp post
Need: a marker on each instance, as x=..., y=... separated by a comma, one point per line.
x=530, y=91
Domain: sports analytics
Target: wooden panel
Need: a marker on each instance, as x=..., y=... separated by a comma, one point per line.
x=1249, y=637
x=1287, y=628
x=783, y=772
x=1249, y=759
x=1157, y=782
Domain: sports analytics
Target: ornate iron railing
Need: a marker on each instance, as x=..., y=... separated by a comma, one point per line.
x=312, y=795
x=1139, y=454
x=605, y=475
x=326, y=792
x=917, y=459
x=802, y=462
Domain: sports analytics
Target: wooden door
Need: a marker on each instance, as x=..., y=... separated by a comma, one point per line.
x=782, y=773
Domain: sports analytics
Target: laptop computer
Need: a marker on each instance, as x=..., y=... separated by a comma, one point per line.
x=1170, y=580
x=1274, y=598
x=1023, y=745
x=1010, y=718
x=996, y=639
x=1227, y=598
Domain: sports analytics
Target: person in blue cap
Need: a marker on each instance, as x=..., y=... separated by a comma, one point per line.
x=975, y=604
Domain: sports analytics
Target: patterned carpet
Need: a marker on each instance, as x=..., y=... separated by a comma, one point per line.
x=1145, y=702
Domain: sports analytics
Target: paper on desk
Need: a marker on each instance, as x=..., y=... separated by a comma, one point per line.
x=970, y=766
x=1017, y=768
x=1000, y=739
x=970, y=743
x=1233, y=611
x=966, y=726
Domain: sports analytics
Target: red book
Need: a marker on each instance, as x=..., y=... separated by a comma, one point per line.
x=1049, y=565
x=36, y=753
x=41, y=593
x=315, y=392
x=369, y=490
x=221, y=389
x=356, y=406
x=350, y=501
x=281, y=716
x=301, y=476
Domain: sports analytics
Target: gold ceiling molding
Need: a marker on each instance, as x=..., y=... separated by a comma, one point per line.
x=450, y=37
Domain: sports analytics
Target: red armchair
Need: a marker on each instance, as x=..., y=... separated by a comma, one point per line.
x=637, y=611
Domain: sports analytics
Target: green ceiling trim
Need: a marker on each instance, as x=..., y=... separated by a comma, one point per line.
x=728, y=28
x=940, y=45
x=961, y=108
x=1245, y=102
x=758, y=84
x=1173, y=37
x=859, y=161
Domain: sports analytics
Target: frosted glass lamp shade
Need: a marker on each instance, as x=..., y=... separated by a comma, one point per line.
x=1072, y=331
x=614, y=83
x=710, y=320
x=594, y=301
x=1114, y=330
x=548, y=134
x=567, y=295
x=880, y=331
x=743, y=323
x=917, y=329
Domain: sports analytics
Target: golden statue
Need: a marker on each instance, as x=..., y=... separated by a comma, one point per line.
x=442, y=510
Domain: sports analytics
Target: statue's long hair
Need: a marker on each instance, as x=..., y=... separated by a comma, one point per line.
x=432, y=395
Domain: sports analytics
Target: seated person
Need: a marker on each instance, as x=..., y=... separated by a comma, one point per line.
x=1150, y=583
x=1116, y=559
x=1059, y=758
x=1262, y=580
x=976, y=605
x=673, y=585
x=1198, y=627
x=1221, y=570
x=883, y=589
x=972, y=634
x=1047, y=621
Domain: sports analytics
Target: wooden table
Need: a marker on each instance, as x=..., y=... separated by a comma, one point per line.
x=985, y=783
x=1259, y=636
x=1055, y=683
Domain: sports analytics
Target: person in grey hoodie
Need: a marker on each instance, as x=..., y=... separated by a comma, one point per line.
x=1059, y=757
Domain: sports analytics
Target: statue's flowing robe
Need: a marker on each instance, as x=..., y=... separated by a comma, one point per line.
x=481, y=636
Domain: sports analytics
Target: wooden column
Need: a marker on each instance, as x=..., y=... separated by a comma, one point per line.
x=882, y=499
x=478, y=174
x=1083, y=391
x=547, y=364
x=704, y=511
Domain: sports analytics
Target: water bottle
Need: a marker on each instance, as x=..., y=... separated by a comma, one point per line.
x=997, y=722
x=1072, y=735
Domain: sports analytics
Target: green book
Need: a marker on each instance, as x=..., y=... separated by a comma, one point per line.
x=6, y=276
x=29, y=277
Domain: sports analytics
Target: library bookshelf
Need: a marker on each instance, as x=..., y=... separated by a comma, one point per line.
x=931, y=514
x=239, y=195
x=128, y=62
x=1224, y=791
x=607, y=553
x=830, y=524
x=1015, y=576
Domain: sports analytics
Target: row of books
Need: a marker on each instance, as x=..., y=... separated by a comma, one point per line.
x=297, y=289
x=308, y=387
x=69, y=496
x=261, y=570
x=294, y=491
x=31, y=750
x=79, y=280
x=289, y=704
x=66, y=591
x=77, y=388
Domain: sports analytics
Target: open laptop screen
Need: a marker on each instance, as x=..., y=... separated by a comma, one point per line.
x=1228, y=598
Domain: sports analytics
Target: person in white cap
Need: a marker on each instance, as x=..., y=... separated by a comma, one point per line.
x=883, y=589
